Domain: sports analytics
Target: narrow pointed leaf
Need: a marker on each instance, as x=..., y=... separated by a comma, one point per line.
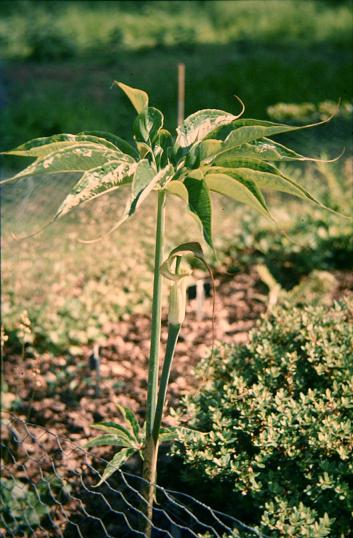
x=78, y=158
x=121, y=409
x=130, y=416
x=114, y=428
x=167, y=435
x=110, y=440
x=246, y=130
x=270, y=178
x=241, y=131
x=164, y=176
x=178, y=189
x=253, y=164
x=192, y=159
x=198, y=173
x=97, y=182
x=143, y=149
x=142, y=184
x=165, y=139
x=209, y=148
x=115, y=463
x=148, y=124
x=41, y=147
x=264, y=149
x=236, y=188
x=172, y=433
x=138, y=98
x=200, y=205
x=118, y=142
x=200, y=124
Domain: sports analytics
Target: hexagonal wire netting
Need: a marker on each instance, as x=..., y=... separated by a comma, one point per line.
x=48, y=490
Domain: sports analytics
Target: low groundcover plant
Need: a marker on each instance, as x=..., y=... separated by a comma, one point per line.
x=277, y=415
x=212, y=151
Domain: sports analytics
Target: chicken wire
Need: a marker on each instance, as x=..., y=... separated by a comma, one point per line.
x=48, y=489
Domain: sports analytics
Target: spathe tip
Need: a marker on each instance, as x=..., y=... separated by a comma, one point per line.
x=333, y=160
x=34, y=234
x=241, y=104
x=103, y=236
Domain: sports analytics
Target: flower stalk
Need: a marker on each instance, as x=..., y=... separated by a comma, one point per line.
x=151, y=444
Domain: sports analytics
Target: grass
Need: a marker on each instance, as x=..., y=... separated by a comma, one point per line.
x=265, y=52
x=95, y=26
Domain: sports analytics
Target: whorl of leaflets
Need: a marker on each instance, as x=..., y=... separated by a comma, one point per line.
x=212, y=151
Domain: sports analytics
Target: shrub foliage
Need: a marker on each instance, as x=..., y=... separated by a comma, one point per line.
x=279, y=416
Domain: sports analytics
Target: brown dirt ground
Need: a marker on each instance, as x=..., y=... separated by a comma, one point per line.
x=70, y=405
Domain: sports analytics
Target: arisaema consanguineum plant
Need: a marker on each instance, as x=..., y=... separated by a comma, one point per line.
x=212, y=151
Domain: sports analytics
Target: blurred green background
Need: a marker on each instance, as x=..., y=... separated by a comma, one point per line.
x=59, y=59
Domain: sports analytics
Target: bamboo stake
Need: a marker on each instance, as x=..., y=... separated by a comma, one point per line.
x=181, y=93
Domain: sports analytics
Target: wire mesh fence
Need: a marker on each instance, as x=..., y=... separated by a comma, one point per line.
x=48, y=489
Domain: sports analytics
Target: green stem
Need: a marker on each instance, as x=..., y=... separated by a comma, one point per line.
x=156, y=316
x=151, y=448
x=173, y=333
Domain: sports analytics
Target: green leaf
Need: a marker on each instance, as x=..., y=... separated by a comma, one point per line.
x=41, y=147
x=165, y=139
x=165, y=146
x=110, y=440
x=147, y=125
x=200, y=205
x=246, y=134
x=241, y=131
x=164, y=176
x=118, y=142
x=172, y=433
x=142, y=184
x=193, y=159
x=178, y=189
x=209, y=148
x=97, y=182
x=143, y=149
x=115, y=463
x=144, y=181
x=78, y=158
x=265, y=149
x=115, y=429
x=130, y=416
x=235, y=187
x=268, y=177
x=200, y=124
x=167, y=434
x=138, y=98
x=253, y=164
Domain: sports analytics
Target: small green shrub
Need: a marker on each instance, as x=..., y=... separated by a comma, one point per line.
x=317, y=241
x=20, y=507
x=24, y=507
x=279, y=416
x=46, y=42
x=308, y=111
